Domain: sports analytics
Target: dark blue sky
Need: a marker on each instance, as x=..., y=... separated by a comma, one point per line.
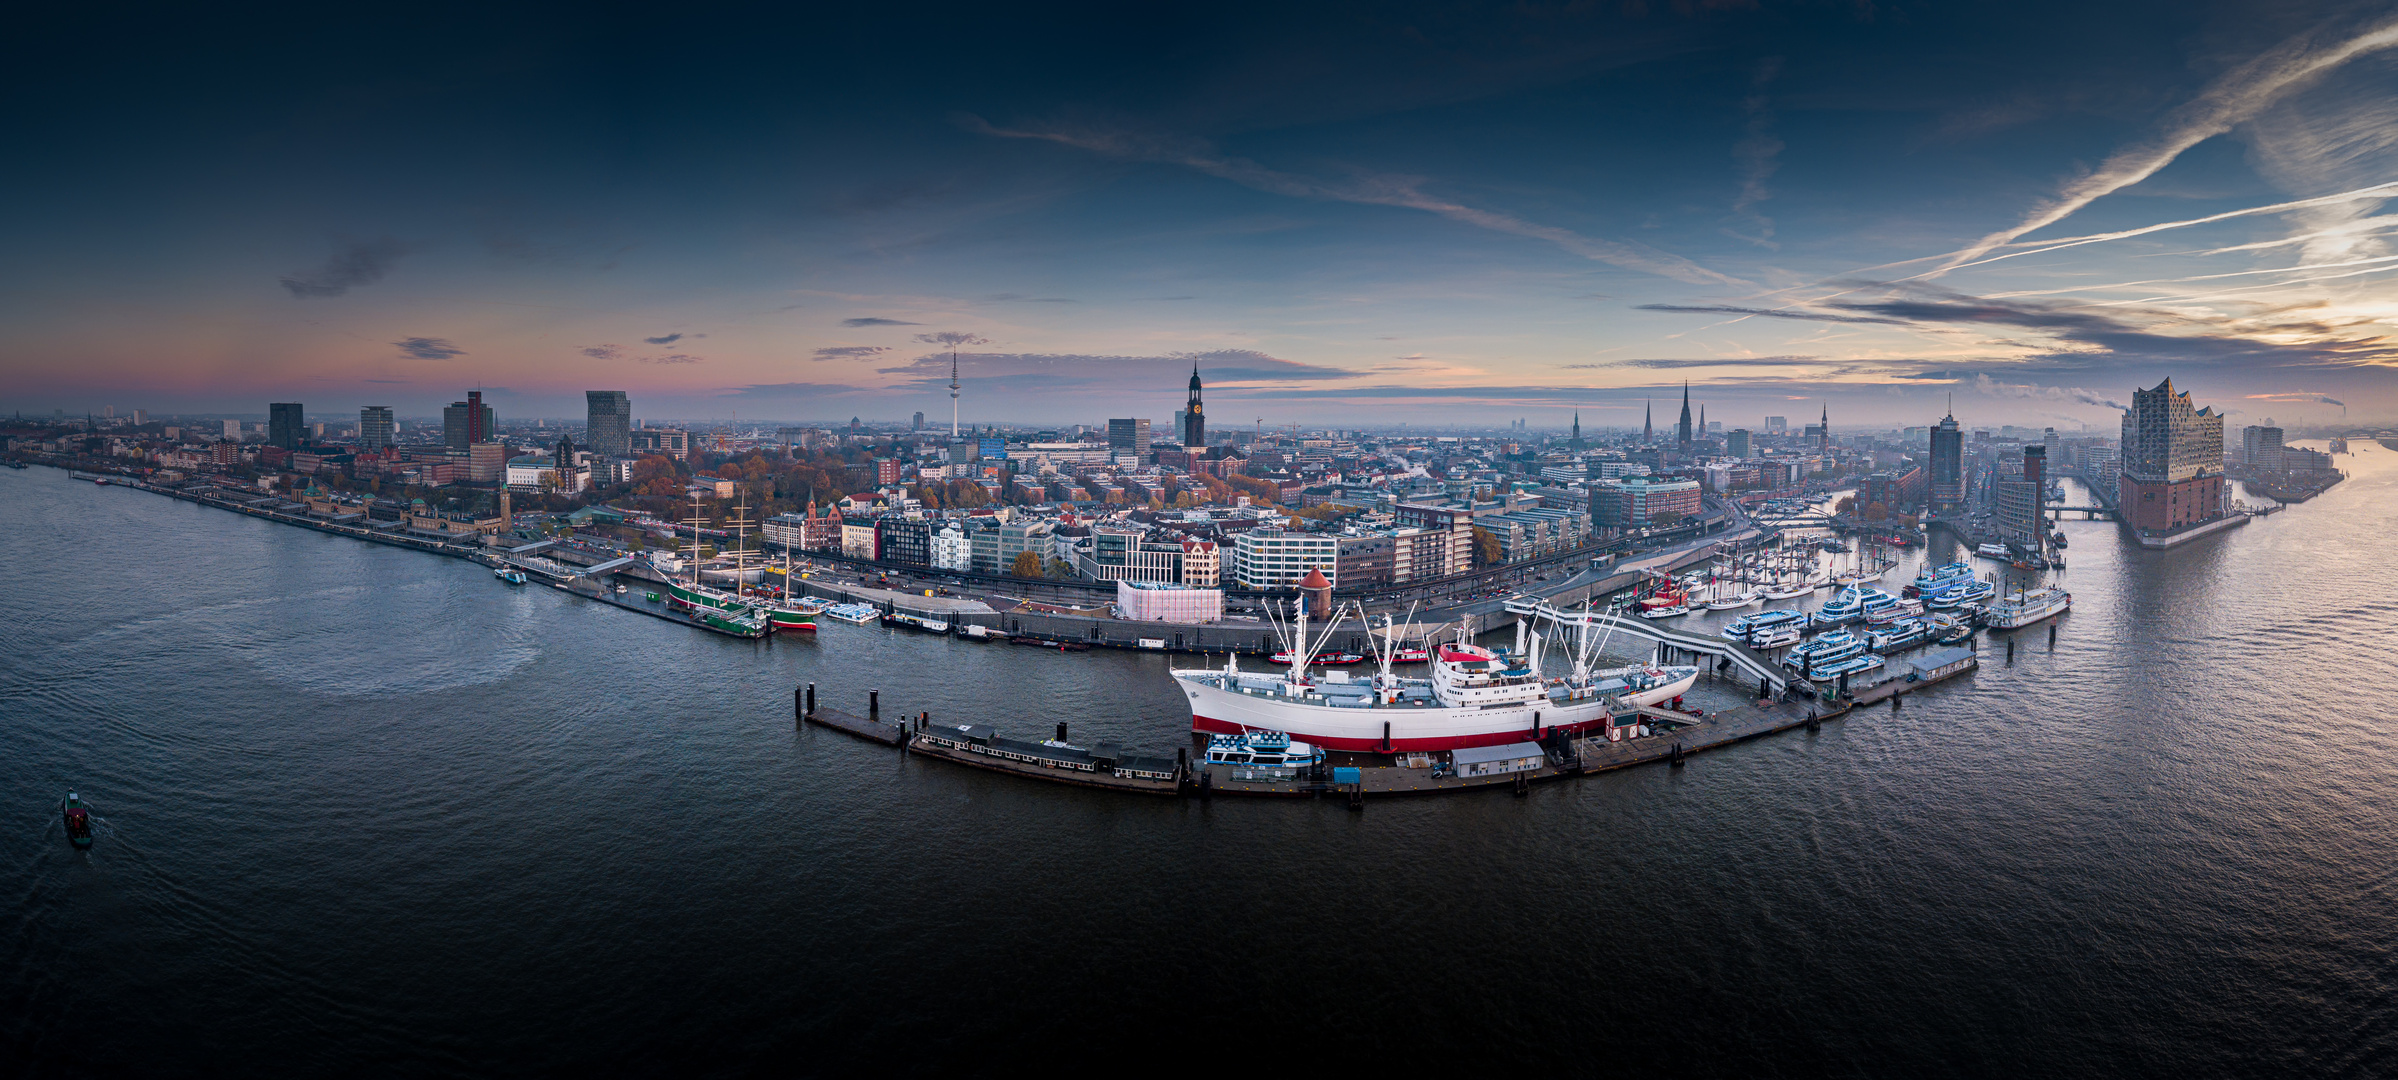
x=1428, y=213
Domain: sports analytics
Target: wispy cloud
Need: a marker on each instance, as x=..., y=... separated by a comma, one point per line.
x=603, y=352
x=850, y=352
x=1770, y=313
x=359, y=262
x=870, y=320
x=1757, y=153
x=952, y=338
x=428, y=348
x=2230, y=100
x=667, y=340
x=1366, y=189
x=672, y=358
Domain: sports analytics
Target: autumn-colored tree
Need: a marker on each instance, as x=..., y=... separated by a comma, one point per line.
x=1846, y=505
x=1877, y=512
x=1027, y=564
x=1486, y=547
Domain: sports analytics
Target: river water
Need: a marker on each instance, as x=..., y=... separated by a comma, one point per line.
x=368, y=810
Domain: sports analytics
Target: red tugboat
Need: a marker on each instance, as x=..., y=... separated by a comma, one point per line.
x=79, y=821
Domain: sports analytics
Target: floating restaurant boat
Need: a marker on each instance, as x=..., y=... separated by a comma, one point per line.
x=2027, y=607
x=1474, y=696
x=1995, y=551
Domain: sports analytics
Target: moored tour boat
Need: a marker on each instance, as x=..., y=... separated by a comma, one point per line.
x=2027, y=607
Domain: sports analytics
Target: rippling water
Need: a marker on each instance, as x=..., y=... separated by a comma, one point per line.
x=363, y=809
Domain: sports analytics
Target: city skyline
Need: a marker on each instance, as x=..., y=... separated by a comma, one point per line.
x=1568, y=212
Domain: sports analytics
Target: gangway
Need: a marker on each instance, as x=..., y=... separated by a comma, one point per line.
x=609, y=567
x=1741, y=656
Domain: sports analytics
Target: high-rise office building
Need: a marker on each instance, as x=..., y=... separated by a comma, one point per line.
x=1739, y=444
x=466, y=423
x=2260, y=445
x=1128, y=436
x=286, y=424
x=1948, y=466
x=376, y=430
x=917, y=424
x=1194, y=417
x=672, y=442
x=2172, y=472
x=2019, y=516
x=608, y=426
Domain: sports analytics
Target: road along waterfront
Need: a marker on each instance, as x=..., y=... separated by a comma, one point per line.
x=364, y=809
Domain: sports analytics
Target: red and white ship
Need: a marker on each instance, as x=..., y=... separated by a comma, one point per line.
x=1474, y=696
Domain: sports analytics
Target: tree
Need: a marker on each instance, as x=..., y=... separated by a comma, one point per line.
x=1027, y=564
x=1486, y=547
x=1876, y=512
x=1846, y=505
x=1665, y=519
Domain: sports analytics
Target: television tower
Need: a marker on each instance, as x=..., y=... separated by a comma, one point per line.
x=953, y=393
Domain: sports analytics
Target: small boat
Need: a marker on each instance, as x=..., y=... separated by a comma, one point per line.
x=1740, y=628
x=1730, y=603
x=620, y=590
x=1665, y=612
x=1850, y=666
x=79, y=821
x=1411, y=655
x=916, y=622
x=1994, y=551
x=509, y=574
x=858, y=614
x=1846, y=607
x=1898, y=635
x=1824, y=649
x=979, y=632
x=1262, y=749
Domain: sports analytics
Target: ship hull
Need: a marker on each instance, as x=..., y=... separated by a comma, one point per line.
x=794, y=622
x=1222, y=712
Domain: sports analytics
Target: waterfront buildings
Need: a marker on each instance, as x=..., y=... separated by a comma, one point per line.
x=2172, y=472
x=2260, y=445
x=1948, y=466
x=1637, y=502
x=2019, y=518
x=608, y=427
x=1278, y=559
x=1160, y=601
x=286, y=425
x=376, y=429
x=951, y=550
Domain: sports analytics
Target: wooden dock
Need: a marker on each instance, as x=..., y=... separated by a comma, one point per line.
x=1073, y=777
x=862, y=727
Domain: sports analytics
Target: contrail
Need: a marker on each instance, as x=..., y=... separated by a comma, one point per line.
x=2200, y=277
x=2377, y=191
x=1372, y=191
x=2230, y=100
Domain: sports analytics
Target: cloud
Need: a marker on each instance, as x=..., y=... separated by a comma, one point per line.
x=604, y=352
x=1020, y=298
x=673, y=358
x=667, y=340
x=850, y=352
x=395, y=382
x=952, y=338
x=2300, y=397
x=2031, y=392
x=870, y=320
x=1757, y=153
x=359, y=262
x=1770, y=313
x=2088, y=338
x=1220, y=368
x=1729, y=361
x=1365, y=189
x=2231, y=99
x=428, y=348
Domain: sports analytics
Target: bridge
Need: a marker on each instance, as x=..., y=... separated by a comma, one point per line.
x=1740, y=656
x=2085, y=511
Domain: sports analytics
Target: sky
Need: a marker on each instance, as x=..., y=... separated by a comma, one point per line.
x=1349, y=215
